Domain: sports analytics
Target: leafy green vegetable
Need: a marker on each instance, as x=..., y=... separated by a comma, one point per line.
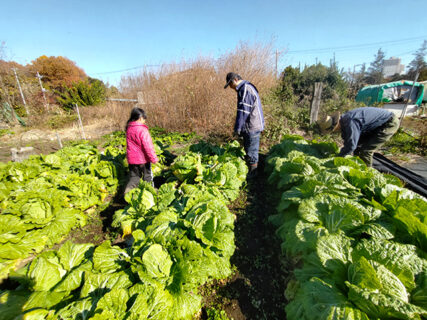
x=317, y=300
x=182, y=238
x=356, y=229
x=44, y=197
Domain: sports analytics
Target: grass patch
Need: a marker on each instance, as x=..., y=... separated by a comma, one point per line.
x=60, y=121
x=214, y=314
x=405, y=142
x=4, y=132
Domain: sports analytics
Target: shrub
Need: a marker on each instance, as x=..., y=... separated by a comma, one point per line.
x=281, y=116
x=301, y=83
x=57, y=71
x=59, y=121
x=84, y=93
x=190, y=96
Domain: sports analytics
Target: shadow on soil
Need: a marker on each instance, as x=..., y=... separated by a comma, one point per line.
x=256, y=290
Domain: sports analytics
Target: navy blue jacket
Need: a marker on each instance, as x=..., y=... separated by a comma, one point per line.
x=250, y=117
x=360, y=121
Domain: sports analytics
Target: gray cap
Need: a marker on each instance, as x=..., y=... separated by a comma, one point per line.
x=230, y=77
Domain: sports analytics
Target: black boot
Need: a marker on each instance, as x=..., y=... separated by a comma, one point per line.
x=253, y=171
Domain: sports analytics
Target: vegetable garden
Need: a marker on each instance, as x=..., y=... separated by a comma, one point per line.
x=352, y=242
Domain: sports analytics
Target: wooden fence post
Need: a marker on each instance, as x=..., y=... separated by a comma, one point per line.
x=59, y=140
x=80, y=122
x=315, y=103
x=140, y=97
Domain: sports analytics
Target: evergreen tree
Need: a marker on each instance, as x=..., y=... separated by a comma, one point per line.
x=375, y=71
x=418, y=63
x=301, y=84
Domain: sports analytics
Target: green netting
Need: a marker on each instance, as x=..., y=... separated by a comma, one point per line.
x=374, y=94
x=7, y=114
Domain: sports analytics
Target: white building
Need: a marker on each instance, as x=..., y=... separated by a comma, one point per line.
x=392, y=66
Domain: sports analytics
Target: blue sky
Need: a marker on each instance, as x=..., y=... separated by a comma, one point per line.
x=106, y=36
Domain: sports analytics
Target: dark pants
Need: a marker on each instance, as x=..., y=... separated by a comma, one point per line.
x=373, y=140
x=136, y=172
x=251, y=146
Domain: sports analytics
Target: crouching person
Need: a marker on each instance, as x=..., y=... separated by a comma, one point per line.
x=363, y=130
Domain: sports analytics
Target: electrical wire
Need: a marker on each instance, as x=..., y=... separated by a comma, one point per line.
x=307, y=51
x=358, y=46
x=129, y=69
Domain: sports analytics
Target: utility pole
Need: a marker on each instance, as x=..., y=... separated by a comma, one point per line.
x=43, y=90
x=277, y=53
x=20, y=90
x=353, y=80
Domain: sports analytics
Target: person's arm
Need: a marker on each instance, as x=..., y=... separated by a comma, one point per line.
x=244, y=108
x=148, y=146
x=350, y=133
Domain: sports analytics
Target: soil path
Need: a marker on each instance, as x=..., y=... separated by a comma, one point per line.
x=256, y=291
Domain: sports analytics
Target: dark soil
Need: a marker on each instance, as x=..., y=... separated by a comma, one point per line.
x=256, y=290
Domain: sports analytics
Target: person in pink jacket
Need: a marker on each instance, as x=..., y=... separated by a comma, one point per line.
x=140, y=149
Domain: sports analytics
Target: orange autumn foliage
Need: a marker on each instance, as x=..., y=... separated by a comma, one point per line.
x=57, y=71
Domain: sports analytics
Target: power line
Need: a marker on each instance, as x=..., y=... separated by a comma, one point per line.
x=406, y=53
x=320, y=50
x=129, y=69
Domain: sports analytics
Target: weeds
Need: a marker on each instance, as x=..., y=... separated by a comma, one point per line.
x=214, y=314
x=403, y=142
x=60, y=121
x=4, y=132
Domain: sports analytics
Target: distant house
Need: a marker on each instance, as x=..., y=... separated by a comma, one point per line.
x=393, y=96
x=392, y=66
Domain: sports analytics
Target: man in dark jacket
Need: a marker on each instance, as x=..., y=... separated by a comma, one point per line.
x=363, y=130
x=249, y=119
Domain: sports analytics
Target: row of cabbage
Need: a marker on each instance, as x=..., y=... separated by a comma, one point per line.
x=358, y=239
x=46, y=196
x=182, y=236
x=43, y=198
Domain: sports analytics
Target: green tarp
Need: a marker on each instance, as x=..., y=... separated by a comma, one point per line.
x=397, y=92
x=425, y=91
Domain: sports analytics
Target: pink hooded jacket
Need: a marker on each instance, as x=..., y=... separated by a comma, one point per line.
x=140, y=148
